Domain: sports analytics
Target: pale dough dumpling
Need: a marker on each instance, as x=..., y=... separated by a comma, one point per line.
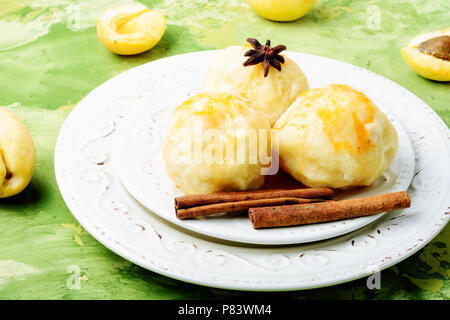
x=203, y=147
x=336, y=137
x=273, y=94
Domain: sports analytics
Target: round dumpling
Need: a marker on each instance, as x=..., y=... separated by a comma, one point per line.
x=273, y=94
x=336, y=137
x=213, y=144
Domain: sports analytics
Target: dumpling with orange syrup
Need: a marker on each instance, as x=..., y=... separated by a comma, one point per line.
x=335, y=137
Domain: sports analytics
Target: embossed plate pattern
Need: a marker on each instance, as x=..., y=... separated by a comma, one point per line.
x=90, y=187
x=138, y=160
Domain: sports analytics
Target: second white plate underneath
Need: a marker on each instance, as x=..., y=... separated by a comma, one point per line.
x=139, y=164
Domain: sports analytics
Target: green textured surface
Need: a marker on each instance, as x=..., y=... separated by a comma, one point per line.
x=50, y=58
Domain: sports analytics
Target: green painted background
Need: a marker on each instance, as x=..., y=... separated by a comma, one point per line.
x=50, y=58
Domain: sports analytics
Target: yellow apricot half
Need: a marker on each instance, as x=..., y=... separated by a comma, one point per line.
x=17, y=155
x=427, y=65
x=131, y=29
x=281, y=10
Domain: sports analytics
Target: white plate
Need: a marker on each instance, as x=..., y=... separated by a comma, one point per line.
x=140, y=166
x=90, y=187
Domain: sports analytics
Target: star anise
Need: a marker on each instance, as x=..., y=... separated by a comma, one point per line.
x=266, y=54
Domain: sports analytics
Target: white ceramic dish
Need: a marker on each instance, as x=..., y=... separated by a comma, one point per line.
x=89, y=185
x=139, y=164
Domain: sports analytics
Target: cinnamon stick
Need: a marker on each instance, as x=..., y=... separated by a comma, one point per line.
x=205, y=210
x=290, y=215
x=195, y=200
